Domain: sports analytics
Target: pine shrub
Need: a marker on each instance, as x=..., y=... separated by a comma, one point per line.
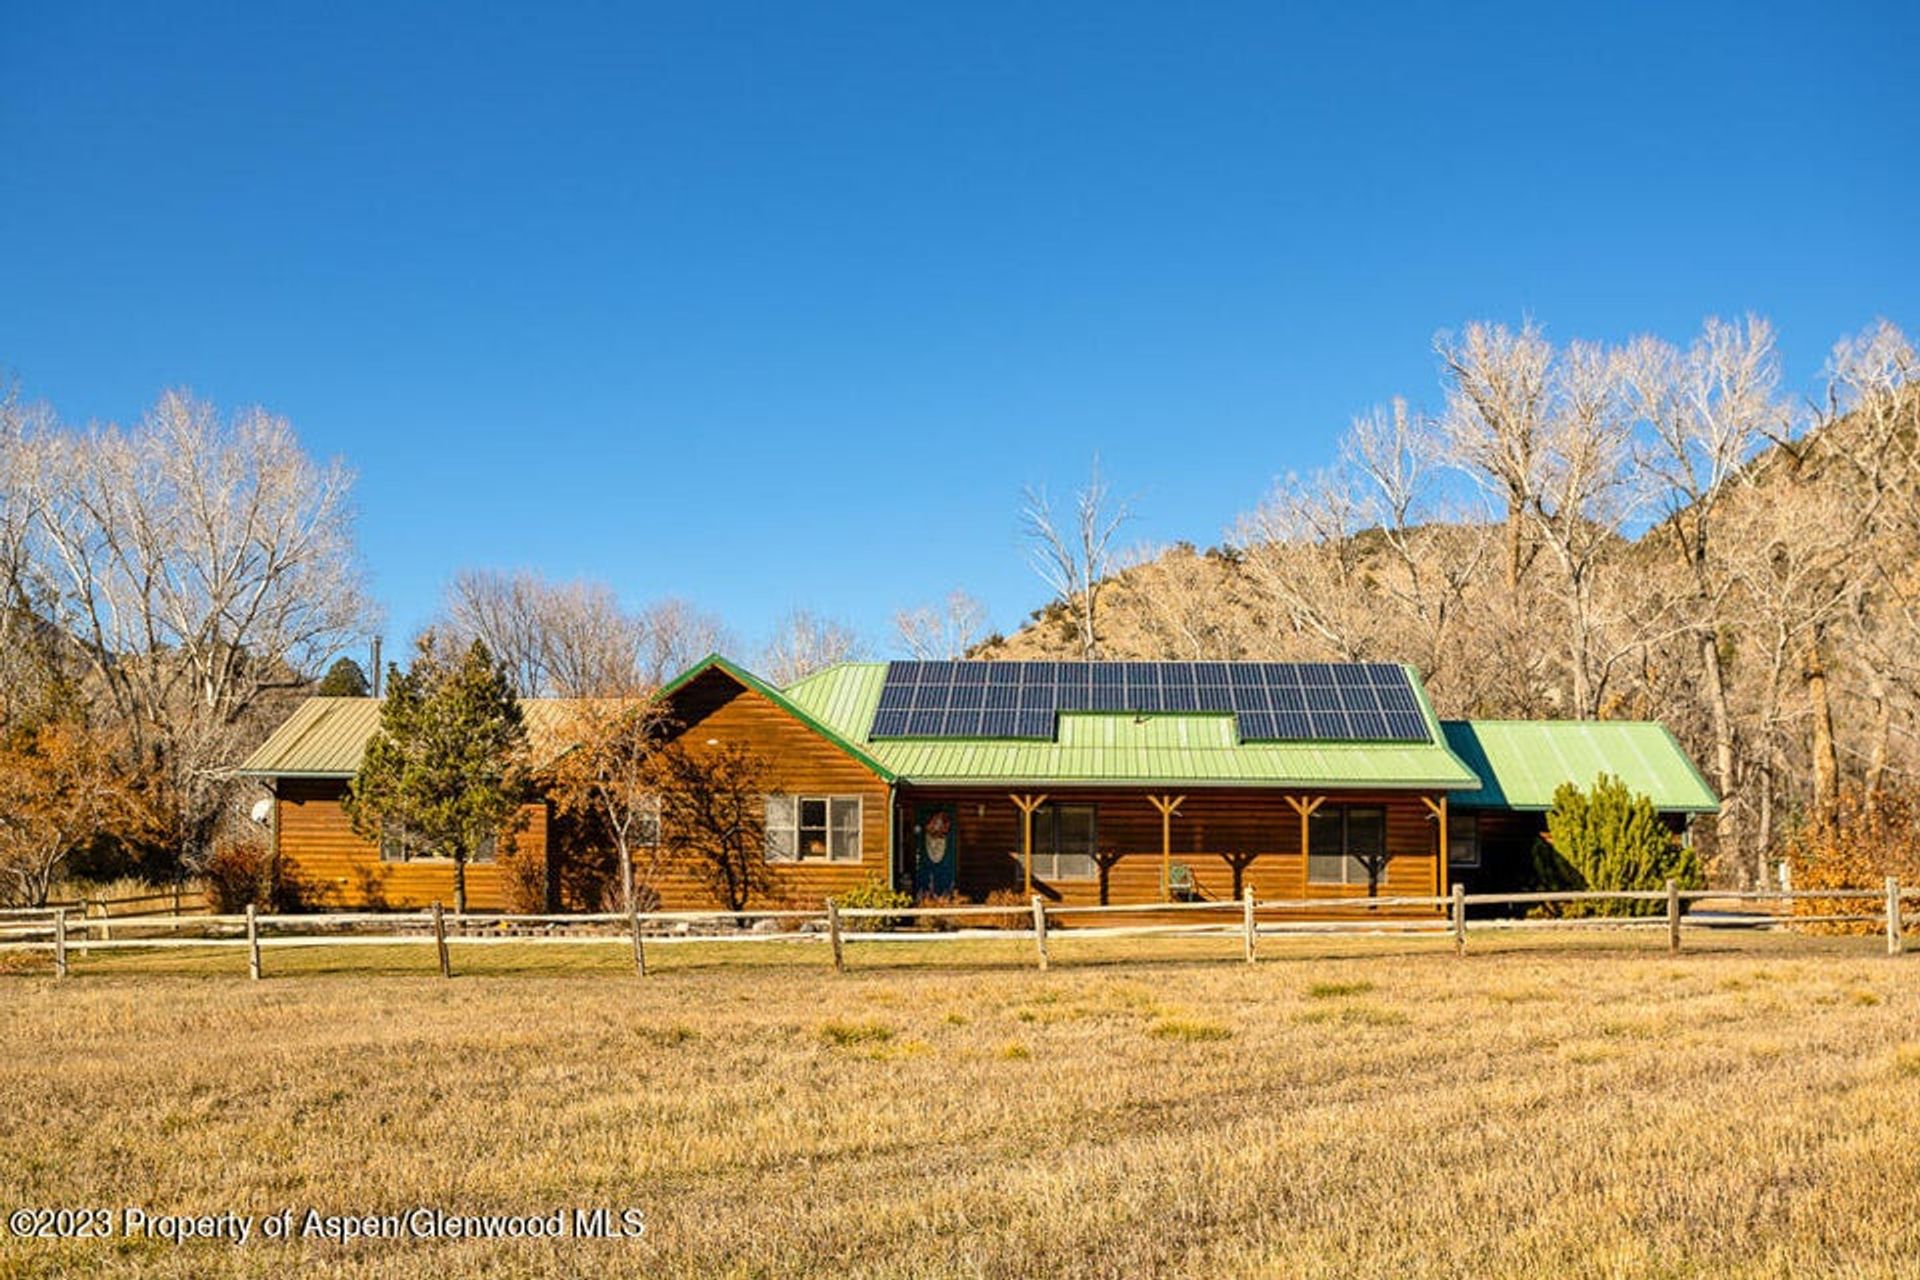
x=1608, y=838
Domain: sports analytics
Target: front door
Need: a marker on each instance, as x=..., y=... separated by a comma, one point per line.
x=936, y=849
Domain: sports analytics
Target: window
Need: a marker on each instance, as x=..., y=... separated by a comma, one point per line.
x=1063, y=842
x=1342, y=840
x=813, y=828
x=1463, y=839
x=646, y=824
x=397, y=844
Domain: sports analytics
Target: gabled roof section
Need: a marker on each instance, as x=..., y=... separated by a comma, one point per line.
x=853, y=746
x=325, y=737
x=1192, y=749
x=1522, y=762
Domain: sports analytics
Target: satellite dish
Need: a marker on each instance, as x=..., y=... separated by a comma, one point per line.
x=262, y=810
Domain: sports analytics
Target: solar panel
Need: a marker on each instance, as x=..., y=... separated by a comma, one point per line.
x=1271, y=701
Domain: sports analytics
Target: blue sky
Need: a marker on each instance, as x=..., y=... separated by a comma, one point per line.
x=777, y=305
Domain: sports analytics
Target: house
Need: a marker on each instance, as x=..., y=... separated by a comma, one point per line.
x=1087, y=783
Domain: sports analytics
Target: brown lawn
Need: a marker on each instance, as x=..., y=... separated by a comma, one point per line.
x=1586, y=1107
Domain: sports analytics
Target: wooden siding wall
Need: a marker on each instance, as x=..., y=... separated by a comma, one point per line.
x=1230, y=839
x=804, y=763
x=336, y=868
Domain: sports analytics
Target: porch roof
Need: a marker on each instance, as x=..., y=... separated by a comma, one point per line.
x=1191, y=749
x=1522, y=762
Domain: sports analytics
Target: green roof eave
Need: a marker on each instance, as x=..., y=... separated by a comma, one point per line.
x=746, y=679
x=291, y=773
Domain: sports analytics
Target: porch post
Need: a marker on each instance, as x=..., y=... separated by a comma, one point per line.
x=1438, y=808
x=1305, y=808
x=1026, y=805
x=1168, y=806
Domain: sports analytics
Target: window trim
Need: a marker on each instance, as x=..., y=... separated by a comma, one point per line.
x=1054, y=854
x=791, y=829
x=487, y=854
x=1457, y=824
x=1353, y=872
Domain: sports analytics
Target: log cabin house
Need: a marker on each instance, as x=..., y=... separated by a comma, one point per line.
x=1086, y=783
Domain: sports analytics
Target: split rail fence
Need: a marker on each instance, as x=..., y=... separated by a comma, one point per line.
x=54, y=930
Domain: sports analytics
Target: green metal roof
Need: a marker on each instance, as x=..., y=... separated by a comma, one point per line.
x=1523, y=761
x=1189, y=749
x=325, y=737
x=1510, y=764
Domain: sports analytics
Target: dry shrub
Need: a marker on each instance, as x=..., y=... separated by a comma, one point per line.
x=238, y=874
x=1856, y=846
x=523, y=877
x=1019, y=914
x=941, y=924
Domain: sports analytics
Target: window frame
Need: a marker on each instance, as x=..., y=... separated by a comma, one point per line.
x=1353, y=871
x=1467, y=824
x=1049, y=870
x=783, y=839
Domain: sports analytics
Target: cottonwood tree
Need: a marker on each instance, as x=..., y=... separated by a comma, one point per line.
x=803, y=642
x=448, y=769
x=941, y=632
x=609, y=774
x=1301, y=551
x=1707, y=412
x=201, y=567
x=673, y=636
x=713, y=817
x=574, y=639
x=65, y=786
x=1075, y=552
x=557, y=639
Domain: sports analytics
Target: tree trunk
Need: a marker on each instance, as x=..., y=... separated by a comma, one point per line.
x=1727, y=826
x=1826, y=761
x=626, y=878
x=1878, y=750
x=459, y=883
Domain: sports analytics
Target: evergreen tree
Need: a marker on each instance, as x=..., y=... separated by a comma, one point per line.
x=448, y=764
x=1610, y=838
x=344, y=679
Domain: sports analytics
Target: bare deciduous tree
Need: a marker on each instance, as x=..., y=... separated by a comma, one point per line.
x=944, y=631
x=804, y=642
x=1077, y=555
x=200, y=566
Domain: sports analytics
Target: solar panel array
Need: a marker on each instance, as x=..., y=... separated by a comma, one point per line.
x=1272, y=701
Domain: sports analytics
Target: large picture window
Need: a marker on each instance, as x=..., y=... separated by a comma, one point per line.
x=1063, y=842
x=813, y=828
x=1342, y=840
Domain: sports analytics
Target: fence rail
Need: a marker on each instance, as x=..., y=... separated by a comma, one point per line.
x=54, y=929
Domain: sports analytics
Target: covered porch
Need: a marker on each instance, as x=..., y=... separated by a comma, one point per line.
x=1107, y=846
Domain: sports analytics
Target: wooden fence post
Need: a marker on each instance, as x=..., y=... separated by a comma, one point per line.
x=1247, y=918
x=1459, y=918
x=1040, y=931
x=440, y=942
x=1895, y=943
x=833, y=936
x=639, y=953
x=253, y=944
x=1673, y=917
x=60, y=943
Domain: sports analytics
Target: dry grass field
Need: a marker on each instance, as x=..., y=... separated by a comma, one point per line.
x=1590, y=1108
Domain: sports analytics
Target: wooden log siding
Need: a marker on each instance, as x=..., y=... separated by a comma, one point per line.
x=316, y=839
x=339, y=869
x=1231, y=839
x=803, y=764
